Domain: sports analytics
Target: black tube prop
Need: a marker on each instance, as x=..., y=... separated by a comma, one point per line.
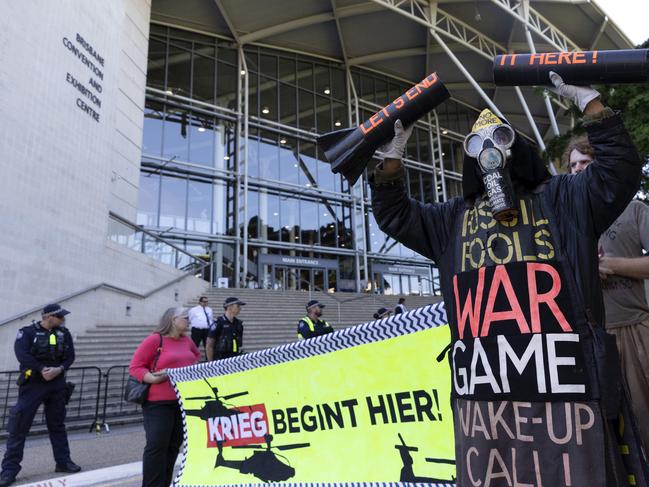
x=349, y=150
x=576, y=68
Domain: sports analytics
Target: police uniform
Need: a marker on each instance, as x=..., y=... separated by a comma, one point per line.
x=227, y=336
x=36, y=347
x=307, y=328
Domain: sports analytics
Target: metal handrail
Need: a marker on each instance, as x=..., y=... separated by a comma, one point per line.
x=88, y=382
x=301, y=280
x=173, y=96
x=209, y=171
x=125, y=408
x=355, y=298
x=140, y=228
x=339, y=301
x=432, y=285
x=89, y=401
x=112, y=287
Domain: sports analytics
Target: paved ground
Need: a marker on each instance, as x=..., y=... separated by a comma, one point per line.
x=121, y=447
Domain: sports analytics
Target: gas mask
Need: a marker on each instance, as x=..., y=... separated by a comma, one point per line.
x=489, y=143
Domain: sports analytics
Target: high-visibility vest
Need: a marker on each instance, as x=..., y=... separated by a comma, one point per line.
x=310, y=324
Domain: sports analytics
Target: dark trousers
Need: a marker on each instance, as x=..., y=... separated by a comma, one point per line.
x=199, y=335
x=222, y=355
x=164, y=435
x=30, y=397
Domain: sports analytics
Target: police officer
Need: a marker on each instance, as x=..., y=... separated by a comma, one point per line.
x=45, y=351
x=225, y=338
x=311, y=325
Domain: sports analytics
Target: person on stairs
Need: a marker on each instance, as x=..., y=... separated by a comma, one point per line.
x=225, y=338
x=311, y=325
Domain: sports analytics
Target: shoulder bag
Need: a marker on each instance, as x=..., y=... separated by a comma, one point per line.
x=136, y=391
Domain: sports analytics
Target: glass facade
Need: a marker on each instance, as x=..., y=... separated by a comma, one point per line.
x=242, y=182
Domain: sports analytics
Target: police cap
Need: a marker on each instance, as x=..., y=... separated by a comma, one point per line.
x=230, y=301
x=313, y=303
x=54, y=309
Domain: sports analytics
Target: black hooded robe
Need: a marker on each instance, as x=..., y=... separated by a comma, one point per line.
x=532, y=388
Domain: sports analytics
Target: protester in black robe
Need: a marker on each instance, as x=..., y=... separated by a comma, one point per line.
x=535, y=387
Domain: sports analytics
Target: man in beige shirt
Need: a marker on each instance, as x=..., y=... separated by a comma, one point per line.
x=623, y=267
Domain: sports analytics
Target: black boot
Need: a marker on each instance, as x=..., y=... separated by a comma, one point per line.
x=69, y=467
x=6, y=479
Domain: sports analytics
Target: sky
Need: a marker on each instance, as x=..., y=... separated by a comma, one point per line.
x=630, y=16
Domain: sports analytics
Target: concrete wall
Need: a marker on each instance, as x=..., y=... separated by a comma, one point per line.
x=106, y=306
x=63, y=166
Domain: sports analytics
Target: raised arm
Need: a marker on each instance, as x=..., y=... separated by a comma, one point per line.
x=422, y=228
x=597, y=196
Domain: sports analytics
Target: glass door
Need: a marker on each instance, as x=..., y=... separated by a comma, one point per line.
x=391, y=284
x=320, y=280
x=280, y=278
x=293, y=278
x=377, y=283
x=415, y=285
x=405, y=283
x=306, y=279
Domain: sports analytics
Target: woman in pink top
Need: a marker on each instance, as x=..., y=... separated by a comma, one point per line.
x=162, y=419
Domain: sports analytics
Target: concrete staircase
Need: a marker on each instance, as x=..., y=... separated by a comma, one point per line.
x=270, y=319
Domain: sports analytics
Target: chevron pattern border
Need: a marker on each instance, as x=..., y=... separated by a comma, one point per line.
x=333, y=484
x=184, y=450
x=373, y=331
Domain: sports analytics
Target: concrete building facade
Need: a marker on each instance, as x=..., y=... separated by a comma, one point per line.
x=72, y=92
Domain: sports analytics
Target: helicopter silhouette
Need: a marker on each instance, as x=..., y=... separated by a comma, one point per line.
x=407, y=473
x=215, y=405
x=264, y=463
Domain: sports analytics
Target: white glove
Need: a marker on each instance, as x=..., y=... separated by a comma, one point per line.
x=579, y=95
x=397, y=146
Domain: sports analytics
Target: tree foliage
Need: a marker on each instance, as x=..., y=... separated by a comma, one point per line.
x=632, y=101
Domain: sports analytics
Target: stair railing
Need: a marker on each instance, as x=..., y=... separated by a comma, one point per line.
x=135, y=237
x=340, y=301
x=83, y=400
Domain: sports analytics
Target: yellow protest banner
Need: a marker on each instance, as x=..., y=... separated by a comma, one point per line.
x=366, y=404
